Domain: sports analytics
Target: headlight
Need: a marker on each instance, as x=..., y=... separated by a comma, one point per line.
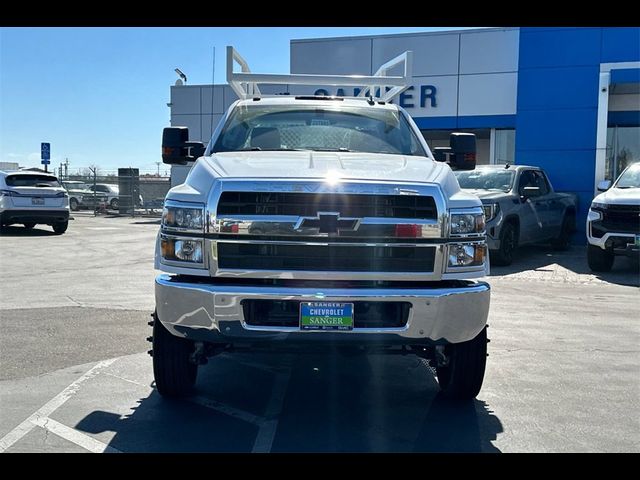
x=467, y=223
x=467, y=254
x=594, y=215
x=491, y=210
x=189, y=217
x=598, y=206
x=181, y=249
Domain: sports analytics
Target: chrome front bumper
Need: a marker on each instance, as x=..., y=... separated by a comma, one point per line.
x=213, y=312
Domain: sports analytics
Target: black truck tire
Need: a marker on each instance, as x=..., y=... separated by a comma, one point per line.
x=563, y=241
x=60, y=227
x=508, y=244
x=173, y=371
x=462, y=378
x=599, y=260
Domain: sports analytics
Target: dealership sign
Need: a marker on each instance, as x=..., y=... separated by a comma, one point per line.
x=421, y=97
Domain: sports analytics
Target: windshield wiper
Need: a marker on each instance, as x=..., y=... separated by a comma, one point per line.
x=258, y=149
x=340, y=149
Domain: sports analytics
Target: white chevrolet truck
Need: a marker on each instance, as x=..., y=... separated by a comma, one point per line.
x=613, y=222
x=320, y=224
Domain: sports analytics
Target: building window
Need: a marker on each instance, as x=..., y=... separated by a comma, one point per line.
x=623, y=149
x=505, y=146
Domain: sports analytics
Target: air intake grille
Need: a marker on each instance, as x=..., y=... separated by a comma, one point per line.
x=328, y=258
x=309, y=204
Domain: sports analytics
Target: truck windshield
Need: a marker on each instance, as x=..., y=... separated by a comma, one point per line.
x=330, y=128
x=630, y=178
x=32, y=181
x=486, y=180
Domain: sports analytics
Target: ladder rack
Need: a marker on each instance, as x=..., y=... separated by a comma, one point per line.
x=245, y=83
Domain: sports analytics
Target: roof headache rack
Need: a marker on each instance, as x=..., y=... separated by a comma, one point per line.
x=245, y=83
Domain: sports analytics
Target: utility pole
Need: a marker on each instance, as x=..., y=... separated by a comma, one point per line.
x=158, y=164
x=66, y=168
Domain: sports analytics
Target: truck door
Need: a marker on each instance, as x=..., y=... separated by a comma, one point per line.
x=531, y=222
x=552, y=207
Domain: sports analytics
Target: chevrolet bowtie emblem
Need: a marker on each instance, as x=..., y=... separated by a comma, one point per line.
x=328, y=222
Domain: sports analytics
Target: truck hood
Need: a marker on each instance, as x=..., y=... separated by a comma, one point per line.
x=620, y=196
x=365, y=166
x=486, y=195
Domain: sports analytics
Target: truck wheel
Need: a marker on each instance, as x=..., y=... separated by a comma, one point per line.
x=599, y=260
x=114, y=204
x=60, y=227
x=508, y=244
x=73, y=204
x=563, y=240
x=462, y=378
x=173, y=371
x=29, y=225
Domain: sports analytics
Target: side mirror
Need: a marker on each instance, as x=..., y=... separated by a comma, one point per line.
x=440, y=154
x=461, y=153
x=176, y=147
x=604, y=185
x=529, y=192
x=463, y=147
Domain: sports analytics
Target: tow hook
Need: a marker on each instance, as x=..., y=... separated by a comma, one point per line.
x=199, y=357
x=441, y=359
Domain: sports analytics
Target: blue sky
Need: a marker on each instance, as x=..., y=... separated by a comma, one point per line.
x=99, y=95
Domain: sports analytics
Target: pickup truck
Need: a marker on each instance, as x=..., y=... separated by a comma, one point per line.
x=520, y=208
x=323, y=224
x=613, y=222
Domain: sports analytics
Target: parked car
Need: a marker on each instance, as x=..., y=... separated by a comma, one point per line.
x=31, y=198
x=76, y=190
x=520, y=207
x=613, y=222
x=81, y=197
x=113, y=193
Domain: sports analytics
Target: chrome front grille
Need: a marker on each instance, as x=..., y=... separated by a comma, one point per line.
x=313, y=230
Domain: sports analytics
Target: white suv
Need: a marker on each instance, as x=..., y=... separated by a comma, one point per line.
x=613, y=223
x=30, y=198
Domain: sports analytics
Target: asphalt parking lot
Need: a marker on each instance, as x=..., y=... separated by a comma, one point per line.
x=563, y=373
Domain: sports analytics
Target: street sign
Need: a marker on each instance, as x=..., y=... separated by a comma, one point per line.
x=45, y=162
x=45, y=152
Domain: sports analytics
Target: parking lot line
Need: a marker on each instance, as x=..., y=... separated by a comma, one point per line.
x=267, y=432
x=74, y=436
x=51, y=406
x=227, y=410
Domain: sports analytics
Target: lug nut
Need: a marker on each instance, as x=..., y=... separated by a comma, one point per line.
x=150, y=352
x=150, y=323
x=149, y=339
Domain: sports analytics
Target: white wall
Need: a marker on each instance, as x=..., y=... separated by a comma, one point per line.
x=474, y=72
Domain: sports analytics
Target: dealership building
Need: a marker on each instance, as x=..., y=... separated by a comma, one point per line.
x=565, y=99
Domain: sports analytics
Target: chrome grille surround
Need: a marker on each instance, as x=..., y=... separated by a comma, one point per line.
x=280, y=229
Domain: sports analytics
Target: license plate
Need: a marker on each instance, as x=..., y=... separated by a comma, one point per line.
x=37, y=201
x=326, y=316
